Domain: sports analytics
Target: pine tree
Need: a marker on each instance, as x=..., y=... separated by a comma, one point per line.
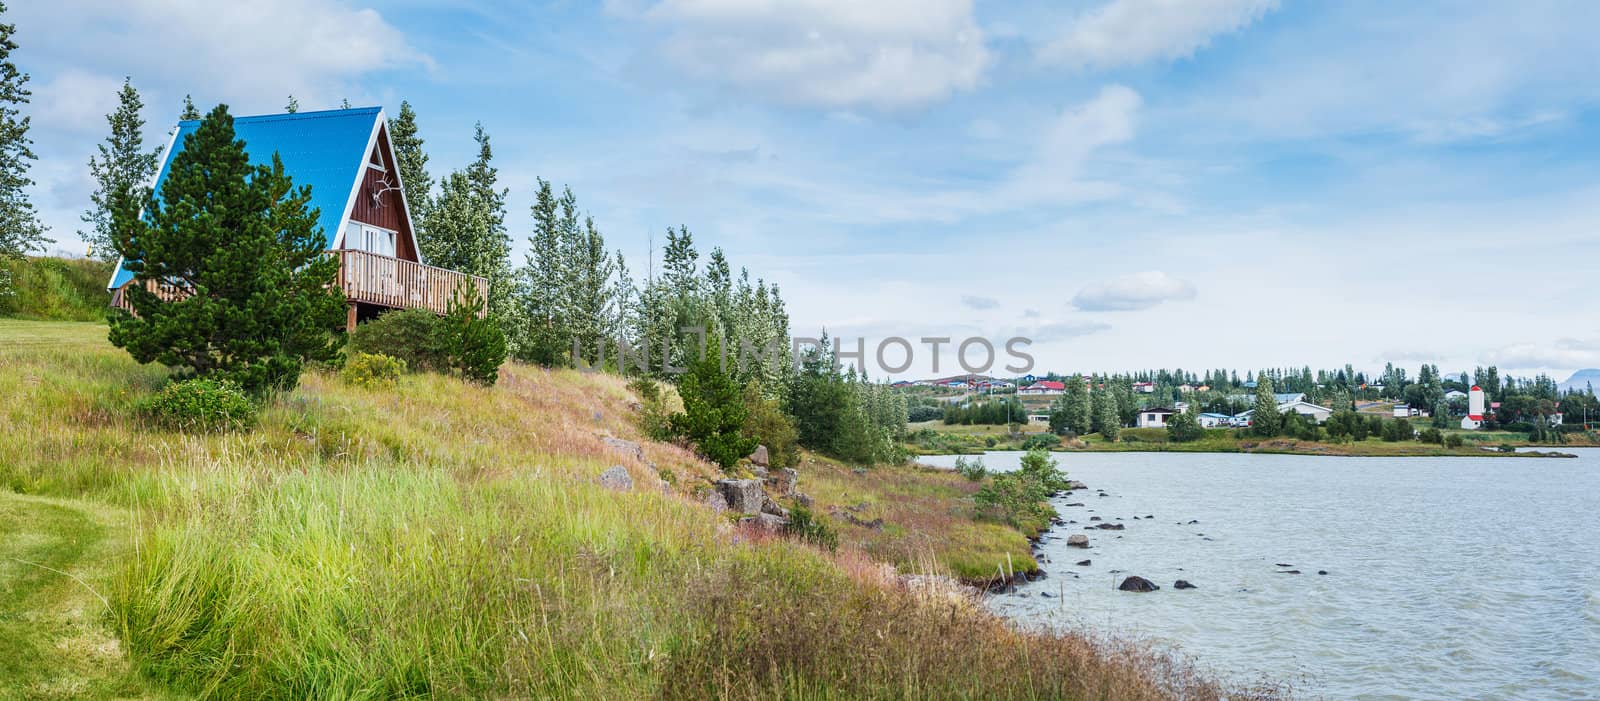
x=122, y=166
x=541, y=336
x=412, y=163
x=240, y=244
x=465, y=229
x=190, y=112
x=1110, y=424
x=714, y=413
x=293, y=106
x=20, y=230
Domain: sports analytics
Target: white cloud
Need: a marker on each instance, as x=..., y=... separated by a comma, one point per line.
x=76, y=100
x=885, y=55
x=1130, y=32
x=1064, y=330
x=979, y=303
x=242, y=52
x=1133, y=292
x=1561, y=354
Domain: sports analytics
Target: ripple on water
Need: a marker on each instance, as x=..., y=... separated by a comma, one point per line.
x=1450, y=577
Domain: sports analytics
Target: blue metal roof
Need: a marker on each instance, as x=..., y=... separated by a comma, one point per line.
x=326, y=150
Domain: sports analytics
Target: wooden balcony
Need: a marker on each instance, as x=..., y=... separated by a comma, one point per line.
x=369, y=278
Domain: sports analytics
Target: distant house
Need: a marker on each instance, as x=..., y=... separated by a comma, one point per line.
x=1186, y=388
x=1203, y=388
x=1404, y=411
x=901, y=384
x=1038, y=419
x=1144, y=387
x=1311, y=411
x=1214, y=420
x=1043, y=387
x=345, y=158
x=1030, y=379
x=1454, y=395
x=1154, y=417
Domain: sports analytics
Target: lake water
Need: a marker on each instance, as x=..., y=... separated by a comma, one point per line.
x=1448, y=578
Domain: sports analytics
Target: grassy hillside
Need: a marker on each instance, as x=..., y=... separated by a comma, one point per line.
x=58, y=289
x=447, y=540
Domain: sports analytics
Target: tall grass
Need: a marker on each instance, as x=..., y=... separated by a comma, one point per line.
x=446, y=540
x=61, y=289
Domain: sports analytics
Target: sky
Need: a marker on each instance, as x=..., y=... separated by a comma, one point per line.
x=1128, y=183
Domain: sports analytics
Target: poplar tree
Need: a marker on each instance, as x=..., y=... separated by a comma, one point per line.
x=1265, y=421
x=240, y=247
x=121, y=166
x=20, y=230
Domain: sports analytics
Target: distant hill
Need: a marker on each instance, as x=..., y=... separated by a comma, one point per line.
x=1583, y=378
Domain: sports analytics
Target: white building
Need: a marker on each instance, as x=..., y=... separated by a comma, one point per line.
x=1154, y=417
x=1211, y=420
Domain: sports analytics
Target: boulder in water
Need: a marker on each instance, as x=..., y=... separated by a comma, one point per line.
x=1077, y=540
x=1183, y=584
x=1137, y=583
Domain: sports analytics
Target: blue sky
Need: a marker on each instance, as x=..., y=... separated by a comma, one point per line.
x=1132, y=183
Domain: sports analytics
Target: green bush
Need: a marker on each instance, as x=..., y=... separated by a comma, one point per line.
x=372, y=370
x=201, y=405
x=971, y=469
x=410, y=335
x=1038, y=466
x=1431, y=435
x=460, y=342
x=654, y=413
x=1454, y=440
x=807, y=527
x=475, y=344
x=1043, y=441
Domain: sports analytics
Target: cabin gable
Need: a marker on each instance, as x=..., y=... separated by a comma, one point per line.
x=379, y=203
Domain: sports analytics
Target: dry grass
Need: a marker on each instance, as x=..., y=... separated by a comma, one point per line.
x=440, y=539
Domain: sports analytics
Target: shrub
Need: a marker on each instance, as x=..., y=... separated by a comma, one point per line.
x=1038, y=466
x=807, y=527
x=989, y=442
x=654, y=412
x=460, y=342
x=1431, y=435
x=1043, y=441
x=1183, y=427
x=201, y=404
x=372, y=370
x=475, y=345
x=410, y=335
x=1454, y=440
x=971, y=469
x=766, y=423
x=1013, y=498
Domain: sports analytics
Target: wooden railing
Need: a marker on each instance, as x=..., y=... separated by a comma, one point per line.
x=370, y=278
x=391, y=282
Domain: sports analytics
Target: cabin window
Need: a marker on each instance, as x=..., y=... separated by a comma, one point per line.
x=377, y=159
x=369, y=238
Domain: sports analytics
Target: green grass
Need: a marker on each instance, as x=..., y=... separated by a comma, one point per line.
x=446, y=540
x=56, y=561
x=59, y=289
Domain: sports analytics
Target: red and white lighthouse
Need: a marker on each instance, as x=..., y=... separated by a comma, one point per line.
x=1474, y=417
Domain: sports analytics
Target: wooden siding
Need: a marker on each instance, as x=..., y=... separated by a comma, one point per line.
x=389, y=211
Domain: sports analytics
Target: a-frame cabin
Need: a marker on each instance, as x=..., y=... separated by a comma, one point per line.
x=347, y=160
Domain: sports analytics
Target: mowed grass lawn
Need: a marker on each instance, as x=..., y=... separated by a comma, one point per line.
x=443, y=540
